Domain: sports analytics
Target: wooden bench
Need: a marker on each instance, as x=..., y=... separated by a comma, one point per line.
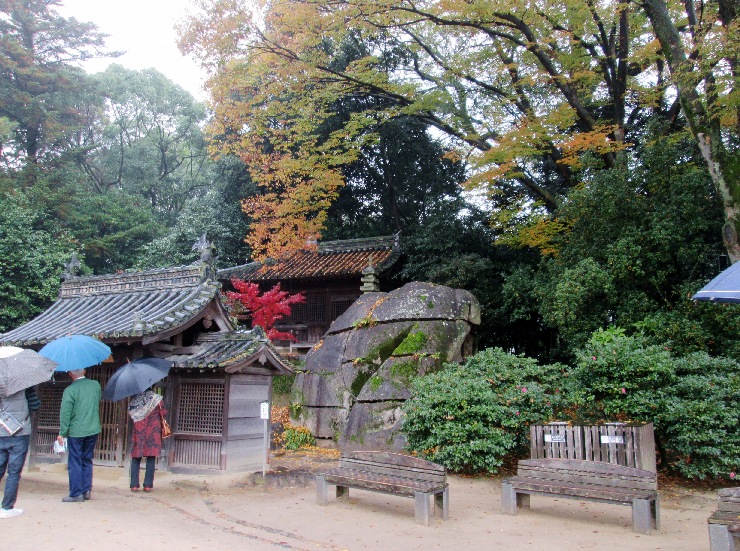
x=590, y=480
x=628, y=444
x=724, y=524
x=391, y=473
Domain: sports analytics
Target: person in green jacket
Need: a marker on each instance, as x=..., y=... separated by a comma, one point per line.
x=79, y=423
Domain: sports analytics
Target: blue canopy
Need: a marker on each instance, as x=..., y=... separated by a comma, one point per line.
x=75, y=352
x=723, y=288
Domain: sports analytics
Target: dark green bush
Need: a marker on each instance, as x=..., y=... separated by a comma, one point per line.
x=470, y=417
x=699, y=418
x=694, y=401
x=622, y=378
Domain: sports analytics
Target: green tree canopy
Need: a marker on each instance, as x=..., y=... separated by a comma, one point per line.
x=33, y=251
x=521, y=90
x=632, y=243
x=147, y=140
x=39, y=78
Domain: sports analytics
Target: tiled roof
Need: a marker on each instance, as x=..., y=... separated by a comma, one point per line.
x=233, y=351
x=116, y=306
x=346, y=258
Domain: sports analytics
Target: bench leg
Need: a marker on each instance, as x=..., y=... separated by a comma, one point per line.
x=422, y=508
x=656, y=513
x=322, y=490
x=720, y=538
x=442, y=501
x=342, y=493
x=511, y=500
x=642, y=517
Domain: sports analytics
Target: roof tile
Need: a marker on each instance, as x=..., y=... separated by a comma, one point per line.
x=346, y=258
x=121, y=305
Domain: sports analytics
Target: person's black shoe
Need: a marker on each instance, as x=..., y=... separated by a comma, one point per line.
x=76, y=499
x=86, y=495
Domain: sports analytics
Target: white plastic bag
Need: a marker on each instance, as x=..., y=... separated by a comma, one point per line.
x=60, y=448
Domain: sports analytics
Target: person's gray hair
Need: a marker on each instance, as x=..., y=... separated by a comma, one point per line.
x=76, y=373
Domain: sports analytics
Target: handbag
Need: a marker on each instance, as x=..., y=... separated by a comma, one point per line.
x=166, y=430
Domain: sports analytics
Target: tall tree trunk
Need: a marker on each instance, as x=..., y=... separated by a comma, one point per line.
x=703, y=125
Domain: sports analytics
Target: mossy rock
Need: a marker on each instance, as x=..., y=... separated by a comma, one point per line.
x=357, y=378
x=427, y=301
x=373, y=426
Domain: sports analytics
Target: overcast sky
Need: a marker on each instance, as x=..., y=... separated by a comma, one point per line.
x=144, y=29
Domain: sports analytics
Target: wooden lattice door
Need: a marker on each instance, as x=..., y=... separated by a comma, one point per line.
x=47, y=419
x=110, y=448
x=198, y=424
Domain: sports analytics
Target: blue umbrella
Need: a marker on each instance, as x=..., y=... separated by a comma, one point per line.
x=135, y=377
x=723, y=288
x=75, y=352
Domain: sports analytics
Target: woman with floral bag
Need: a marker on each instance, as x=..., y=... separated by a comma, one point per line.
x=146, y=411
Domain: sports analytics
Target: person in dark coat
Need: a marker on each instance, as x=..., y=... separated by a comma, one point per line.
x=145, y=410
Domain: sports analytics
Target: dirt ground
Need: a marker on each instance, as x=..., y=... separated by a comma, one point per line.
x=241, y=511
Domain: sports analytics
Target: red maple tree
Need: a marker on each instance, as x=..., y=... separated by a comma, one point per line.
x=267, y=308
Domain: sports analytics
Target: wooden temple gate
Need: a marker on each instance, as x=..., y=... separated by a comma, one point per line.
x=111, y=448
x=112, y=445
x=219, y=377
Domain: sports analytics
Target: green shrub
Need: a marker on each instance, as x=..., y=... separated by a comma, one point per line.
x=622, y=378
x=297, y=437
x=282, y=384
x=693, y=401
x=699, y=417
x=470, y=417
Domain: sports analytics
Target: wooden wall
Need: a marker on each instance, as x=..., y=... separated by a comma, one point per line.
x=244, y=434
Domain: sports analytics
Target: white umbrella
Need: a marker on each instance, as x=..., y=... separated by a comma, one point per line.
x=20, y=368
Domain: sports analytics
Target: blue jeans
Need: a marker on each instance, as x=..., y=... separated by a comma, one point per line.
x=12, y=458
x=80, y=463
x=148, y=473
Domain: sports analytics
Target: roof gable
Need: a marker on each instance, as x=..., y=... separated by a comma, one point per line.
x=138, y=305
x=235, y=352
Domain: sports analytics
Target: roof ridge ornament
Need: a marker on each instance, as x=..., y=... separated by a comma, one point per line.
x=138, y=326
x=208, y=256
x=71, y=267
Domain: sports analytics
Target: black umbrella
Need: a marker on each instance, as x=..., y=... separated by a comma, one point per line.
x=723, y=288
x=135, y=377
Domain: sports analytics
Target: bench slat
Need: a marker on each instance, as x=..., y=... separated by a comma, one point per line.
x=385, y=484
x=381, y=468
x=396, y=459
x=598, y=467
x=584, y=477
x=622, y=495
x=729, y=506
x=728, y=518
x=401, y=480
x=729, y=494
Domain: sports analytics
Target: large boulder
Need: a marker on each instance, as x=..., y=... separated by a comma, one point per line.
x=357, y=377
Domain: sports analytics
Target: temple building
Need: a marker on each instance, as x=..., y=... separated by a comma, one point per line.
x=219, y=375
x=331, y=275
